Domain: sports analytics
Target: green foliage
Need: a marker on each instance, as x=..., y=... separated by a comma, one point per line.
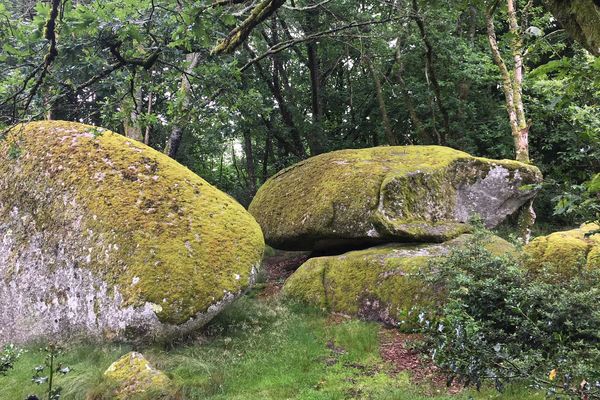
x=581, y=201
x=9, y=355
x=501, y=325
x=46, y=374
x=271, y=102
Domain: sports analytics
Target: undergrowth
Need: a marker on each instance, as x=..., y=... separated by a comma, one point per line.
x=257, y=349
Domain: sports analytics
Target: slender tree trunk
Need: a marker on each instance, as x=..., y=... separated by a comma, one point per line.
x=250, y=168
x=412, y=112
x=315, y=137
x=274, y=86
x=512, y=81
x=431, y=72
x=512, y=86
x=176, y=135
x=267, y=155
x=387, y=125
x=131, y=124
x=148, y=127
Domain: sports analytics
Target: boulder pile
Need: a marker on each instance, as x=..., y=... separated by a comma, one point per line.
x=388, y=211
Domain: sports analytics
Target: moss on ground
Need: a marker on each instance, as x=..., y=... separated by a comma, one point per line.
x=147, y=224
x=382, y=193
x=565, y=252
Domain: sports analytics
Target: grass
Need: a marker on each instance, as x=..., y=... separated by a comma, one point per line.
x=257, y=349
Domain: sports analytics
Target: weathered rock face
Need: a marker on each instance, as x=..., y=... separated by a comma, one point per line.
x=103, y=237
x=133, y=375
x=383, y=283
x=581, y=19
x=383, y=194
x=565, y=252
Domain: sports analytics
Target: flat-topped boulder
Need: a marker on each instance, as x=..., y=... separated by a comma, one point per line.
x=104, y=237
x=384, y=283
x=566, y=252
x=385, y=194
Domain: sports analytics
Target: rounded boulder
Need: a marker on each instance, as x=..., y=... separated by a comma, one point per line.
x=104, y=237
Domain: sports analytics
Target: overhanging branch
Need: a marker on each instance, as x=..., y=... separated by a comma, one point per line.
x=286, y=44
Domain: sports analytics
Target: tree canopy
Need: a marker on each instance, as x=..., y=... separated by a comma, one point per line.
x=237, y=90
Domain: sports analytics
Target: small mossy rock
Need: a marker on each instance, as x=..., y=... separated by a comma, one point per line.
x=383, y=283
x=581, y=19
x=104, y=237
x=565, y=253
x=132, y=375
x=385, y=194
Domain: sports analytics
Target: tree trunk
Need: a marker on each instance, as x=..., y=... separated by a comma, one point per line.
x=512, y=83
x=512, y=86
x=431, y=73
x=315, y=137
x=267, y=155
x=250, y=168
x=287, y=117
x=412, y=112
x=148, y=127
x=387, y=126
x=131, y=124
x=176, y=135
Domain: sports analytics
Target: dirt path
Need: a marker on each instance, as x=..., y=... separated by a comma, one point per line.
x=278, y=268
x=396, y=348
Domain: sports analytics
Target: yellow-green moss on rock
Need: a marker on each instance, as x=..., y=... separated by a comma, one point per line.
x=383, y=194
x=145, y=246
x=383, y=283
x=133, y=375
x=565, y=253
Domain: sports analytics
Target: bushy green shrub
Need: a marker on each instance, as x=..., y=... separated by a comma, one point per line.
x=501, y=324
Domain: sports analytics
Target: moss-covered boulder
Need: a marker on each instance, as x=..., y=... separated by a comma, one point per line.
x=384, y=283
x=565, y=252
x=104, y=237
x=133, y=375
x=581, y=19
x=383, y=194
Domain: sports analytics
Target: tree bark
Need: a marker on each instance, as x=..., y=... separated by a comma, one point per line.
x=250, y=168
x=131, y=124
x=512, y=86
x=387, y=126
x=412, y=112
x=512, y=81
x=148, y=127
x=176, y=135
x=315, y=137
x=431, y=72
x=287, y=117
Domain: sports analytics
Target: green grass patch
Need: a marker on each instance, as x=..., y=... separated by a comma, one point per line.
x=257, y=349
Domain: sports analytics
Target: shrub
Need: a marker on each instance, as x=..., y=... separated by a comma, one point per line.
x=502, y=325
x=8, y=357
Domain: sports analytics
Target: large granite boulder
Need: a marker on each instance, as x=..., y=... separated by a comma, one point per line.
x=384, y=283
x=103, y=237
x=566, y=252
x=413, y=193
